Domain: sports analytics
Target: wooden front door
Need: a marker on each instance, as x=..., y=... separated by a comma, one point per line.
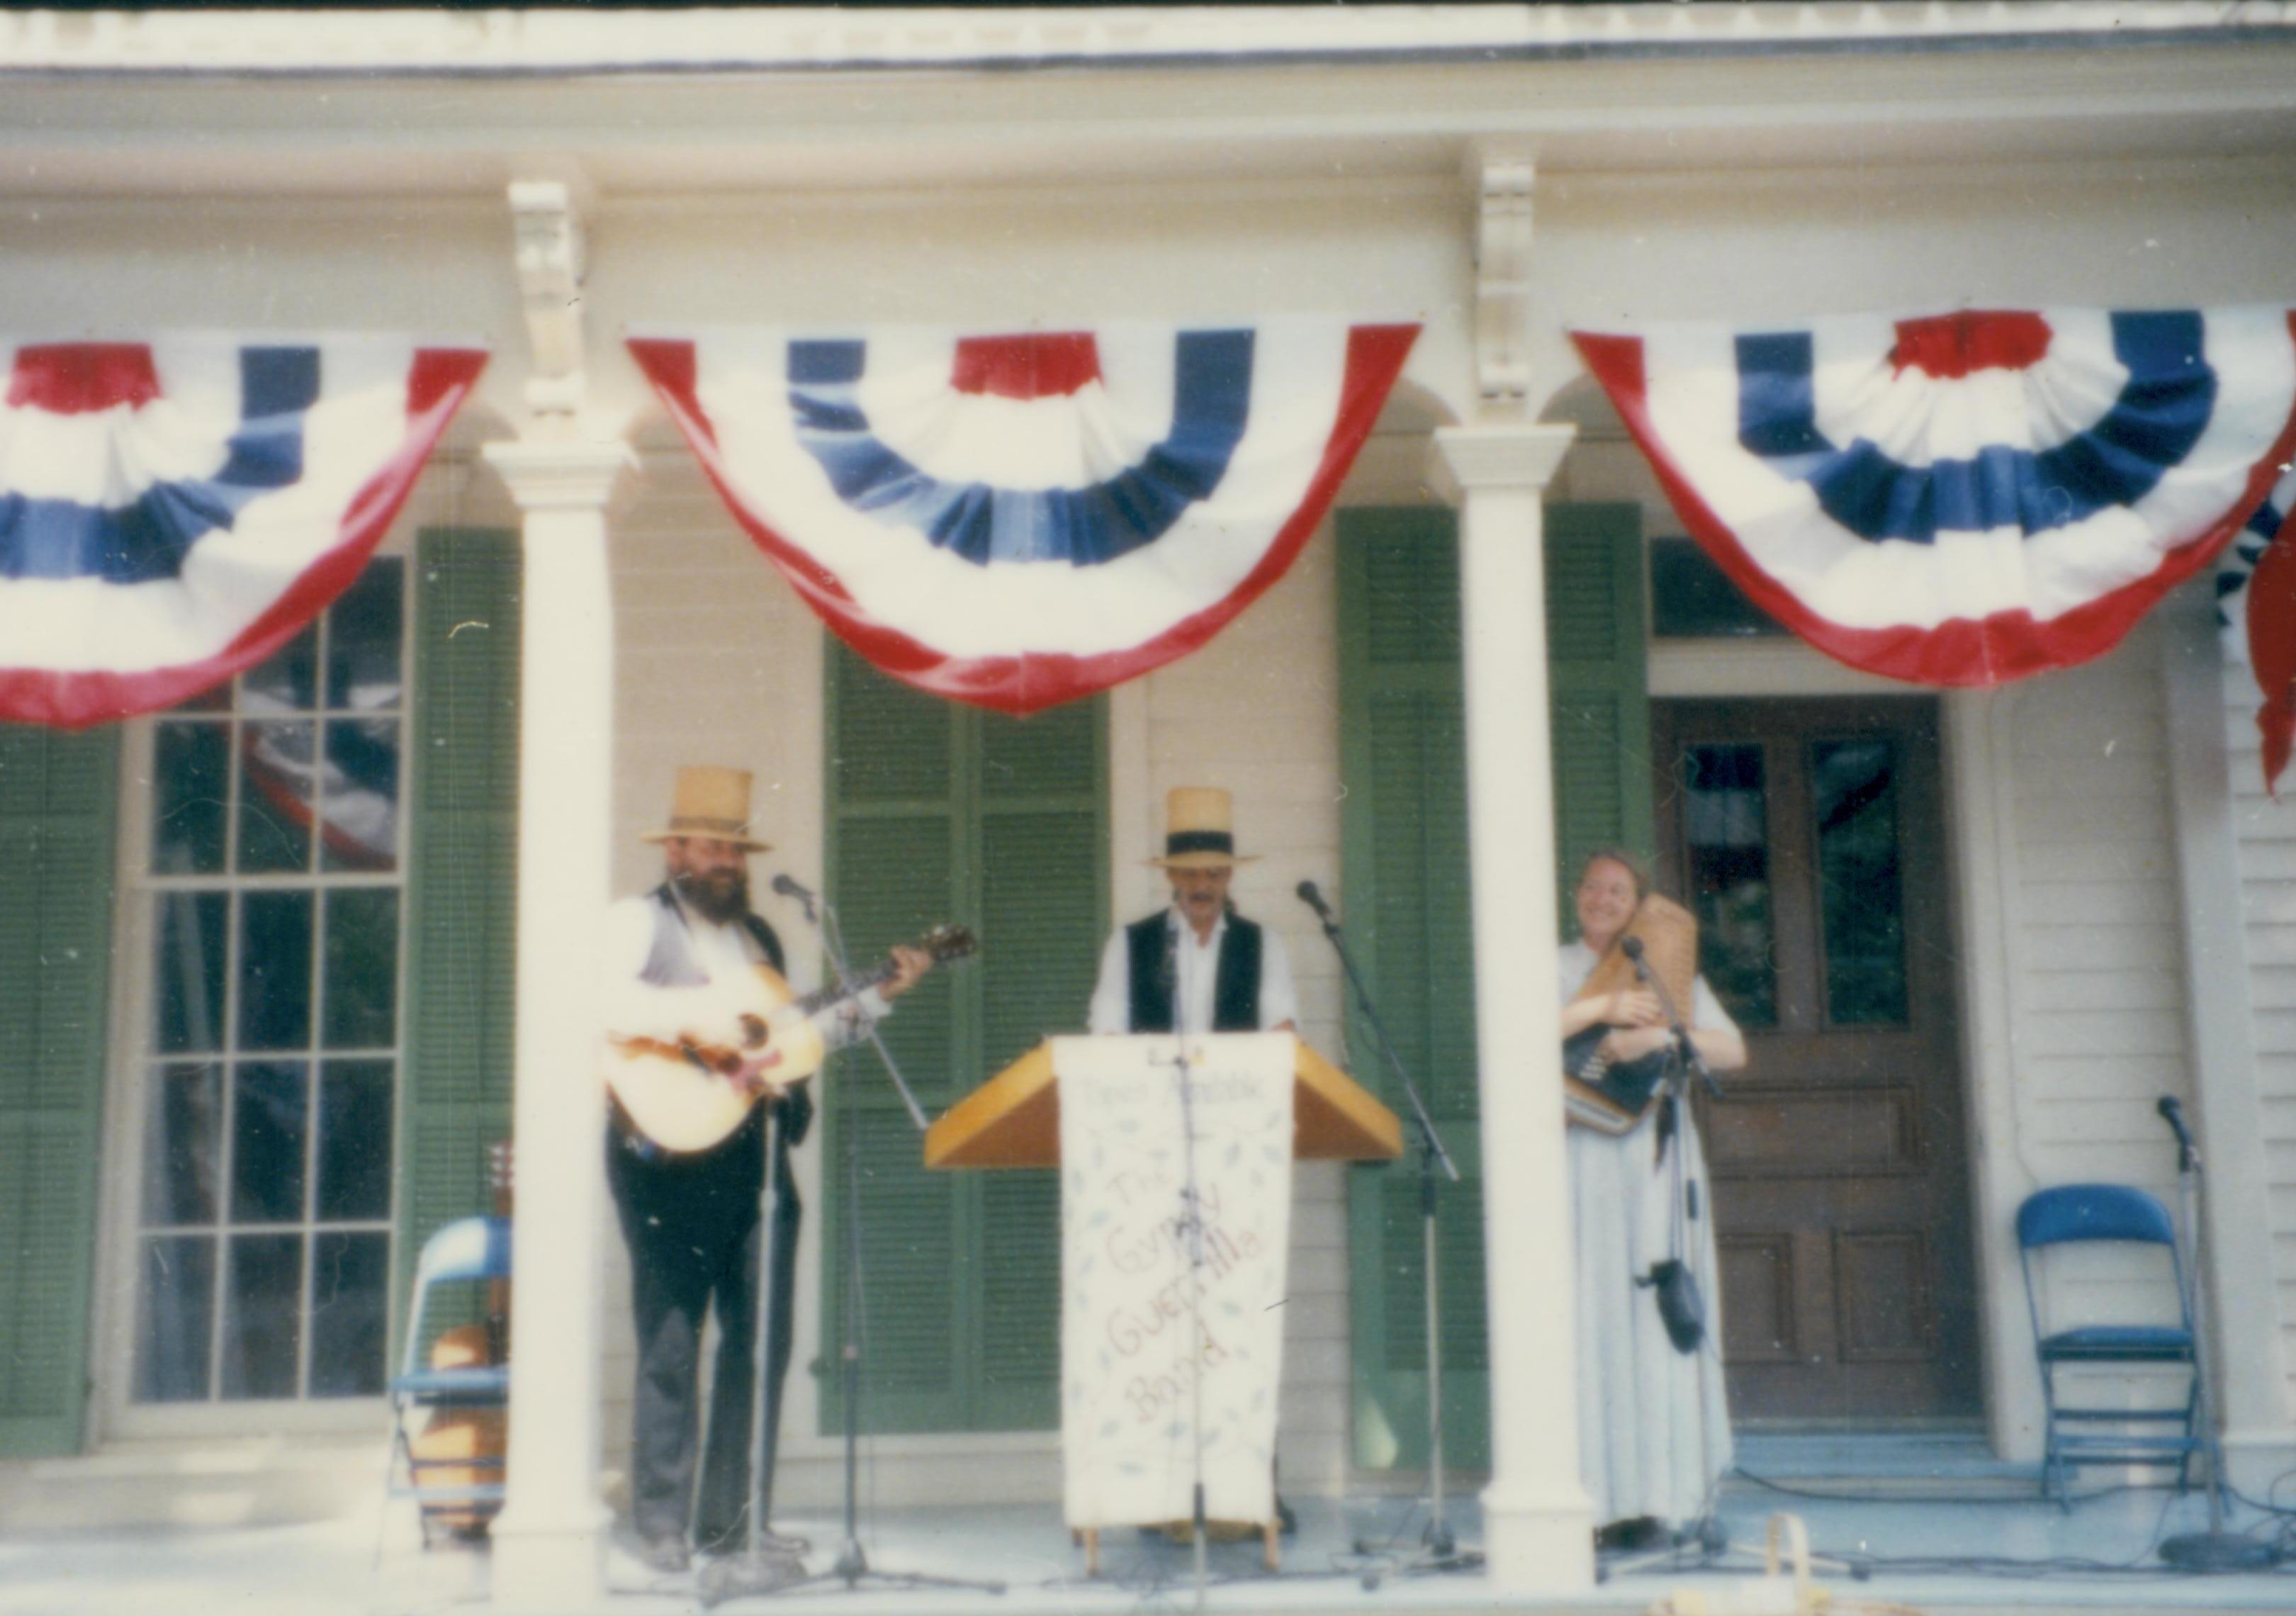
x=1808, y=837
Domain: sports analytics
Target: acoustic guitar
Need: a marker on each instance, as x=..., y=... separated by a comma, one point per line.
x=684, y=1094
x=1614, y=1098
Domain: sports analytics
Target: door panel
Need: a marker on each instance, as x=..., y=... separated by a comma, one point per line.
x=1808, y=837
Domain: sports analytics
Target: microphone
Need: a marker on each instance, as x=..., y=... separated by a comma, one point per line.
x=1632, y=947
x=2173, y=1114
x=789, y=886
x=1313, y=899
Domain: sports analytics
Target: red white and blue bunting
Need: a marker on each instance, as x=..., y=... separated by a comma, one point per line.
x=2256, y=604
x=1966, y=499
x=174, y=510
x=1019, y=521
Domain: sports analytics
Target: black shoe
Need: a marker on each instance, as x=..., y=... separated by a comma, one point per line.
x=1286, y=1522
x=665, y=1551
x=1630, y=1536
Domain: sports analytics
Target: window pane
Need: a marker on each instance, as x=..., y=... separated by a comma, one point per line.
x=275, y=970
x=263, y=1326
x=362, y=982
x=215, y=698
x=361, y=800
x=348, y=1317
x=177, y=1320
x=187, y=971
x=1726, y=820
x=1854, y=793
x=288, y=682
x=275, y=792
x=269, y=1119
x=355, y=1106
x=183, y=1126
x=363, y=639
x=1693, y=599
x=191, y=765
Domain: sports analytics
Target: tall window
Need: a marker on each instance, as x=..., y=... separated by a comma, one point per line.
x=271, y=1075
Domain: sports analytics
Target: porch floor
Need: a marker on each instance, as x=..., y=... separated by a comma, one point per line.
x=1937, y=1523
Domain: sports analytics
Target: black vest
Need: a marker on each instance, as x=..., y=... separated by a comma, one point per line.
x=1152, y=945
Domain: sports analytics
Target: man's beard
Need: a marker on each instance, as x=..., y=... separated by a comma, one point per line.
x=718, y=898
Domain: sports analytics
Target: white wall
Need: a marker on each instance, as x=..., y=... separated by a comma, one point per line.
x=2267, y=837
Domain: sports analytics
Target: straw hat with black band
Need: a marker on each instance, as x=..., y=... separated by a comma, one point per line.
x=1200, y=830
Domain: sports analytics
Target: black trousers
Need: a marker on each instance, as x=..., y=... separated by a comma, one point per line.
x=690, y=1222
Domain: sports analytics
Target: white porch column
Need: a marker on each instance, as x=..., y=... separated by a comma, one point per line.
x=549, y=1541
x=1537, y=1520
x=2250, y=1385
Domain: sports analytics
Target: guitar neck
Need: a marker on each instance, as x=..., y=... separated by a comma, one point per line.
x=822, y=998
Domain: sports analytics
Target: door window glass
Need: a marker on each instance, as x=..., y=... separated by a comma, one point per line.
x=1727, y=837
x=1861, y=897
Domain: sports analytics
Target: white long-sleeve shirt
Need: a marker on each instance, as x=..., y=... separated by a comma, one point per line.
x=1195, y=970
x=710, y=1011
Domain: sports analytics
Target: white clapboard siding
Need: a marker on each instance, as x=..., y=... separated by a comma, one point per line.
x=2266, y=832
x=2099, y=995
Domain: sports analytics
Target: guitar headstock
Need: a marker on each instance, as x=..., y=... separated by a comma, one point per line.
x=948, y=942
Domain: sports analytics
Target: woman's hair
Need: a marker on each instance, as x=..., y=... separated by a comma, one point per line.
x=1621, y=858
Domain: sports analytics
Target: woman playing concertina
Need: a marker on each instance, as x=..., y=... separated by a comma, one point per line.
x=1653, y=1424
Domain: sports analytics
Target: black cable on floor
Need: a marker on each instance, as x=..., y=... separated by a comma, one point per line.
x=1743, y=1474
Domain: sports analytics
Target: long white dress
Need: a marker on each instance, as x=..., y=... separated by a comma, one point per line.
x=1653, y=1423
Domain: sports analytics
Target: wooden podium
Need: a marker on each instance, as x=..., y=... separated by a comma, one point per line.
x=1013, y=1120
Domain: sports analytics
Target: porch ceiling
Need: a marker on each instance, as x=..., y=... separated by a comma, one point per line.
x=365, y=131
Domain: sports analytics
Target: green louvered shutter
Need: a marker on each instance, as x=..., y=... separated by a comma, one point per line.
x=1403, y=874
x=940, y=812
x=1404, y=869
x=462, y=886
x=1599, y=686
x=58, y=801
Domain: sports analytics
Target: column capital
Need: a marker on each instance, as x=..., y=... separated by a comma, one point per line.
x=546, y=474
x=1507, y=455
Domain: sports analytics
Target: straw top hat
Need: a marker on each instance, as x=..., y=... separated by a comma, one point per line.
x=712, y=802
x=1199, y=830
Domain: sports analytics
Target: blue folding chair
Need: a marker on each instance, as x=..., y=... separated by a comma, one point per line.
x=469, y=1250
x=2090, y=1435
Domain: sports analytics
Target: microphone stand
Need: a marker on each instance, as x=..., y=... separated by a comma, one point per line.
x=1442, y=1544
x=765, y=1572
x=2215, y=1549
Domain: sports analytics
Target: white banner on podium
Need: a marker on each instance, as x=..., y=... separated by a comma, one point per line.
x=1137, y=1321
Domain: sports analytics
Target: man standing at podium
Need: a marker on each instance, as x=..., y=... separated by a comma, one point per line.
x=1197, y=966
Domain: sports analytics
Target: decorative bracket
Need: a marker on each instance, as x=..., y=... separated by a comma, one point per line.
x=549, y=252
x=1504, y=184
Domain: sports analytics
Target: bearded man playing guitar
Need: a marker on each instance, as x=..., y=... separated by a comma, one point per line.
x=691, y=987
